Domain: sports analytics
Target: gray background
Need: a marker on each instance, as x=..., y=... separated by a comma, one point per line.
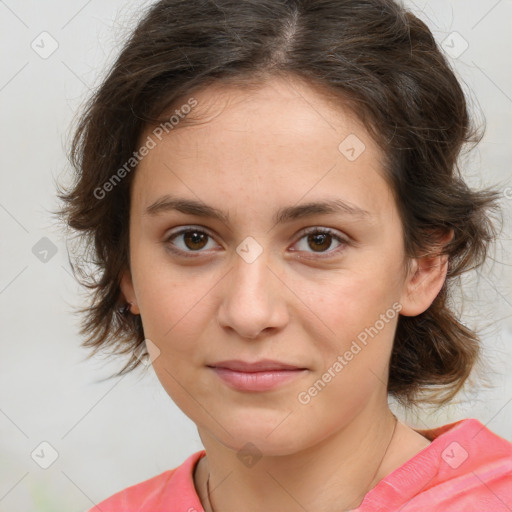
x=112, y=434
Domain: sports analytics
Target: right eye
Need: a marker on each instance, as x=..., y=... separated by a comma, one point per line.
x=191, y=240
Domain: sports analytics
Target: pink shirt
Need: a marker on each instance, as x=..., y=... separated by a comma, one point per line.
x=466, y=468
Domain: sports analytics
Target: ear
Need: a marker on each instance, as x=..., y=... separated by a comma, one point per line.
x=128, y=291
x=425, y=279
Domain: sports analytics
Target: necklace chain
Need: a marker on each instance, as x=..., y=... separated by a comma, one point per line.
x=210, y=508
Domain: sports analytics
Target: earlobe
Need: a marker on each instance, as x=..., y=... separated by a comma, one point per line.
x=425, y=280
x=128, y=291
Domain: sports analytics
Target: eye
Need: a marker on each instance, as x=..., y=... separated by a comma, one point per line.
x=320, y=239
x=191, y=240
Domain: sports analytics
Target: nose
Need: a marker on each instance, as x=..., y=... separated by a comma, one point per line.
x=253, y=298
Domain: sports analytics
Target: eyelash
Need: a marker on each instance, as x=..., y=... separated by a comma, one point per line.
x=308, y=231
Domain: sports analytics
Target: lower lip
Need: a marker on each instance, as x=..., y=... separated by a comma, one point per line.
x=257, y=381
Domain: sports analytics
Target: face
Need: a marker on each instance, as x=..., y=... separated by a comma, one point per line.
x=315, y=289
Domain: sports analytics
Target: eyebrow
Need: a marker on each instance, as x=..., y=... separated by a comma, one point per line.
x=286, y=214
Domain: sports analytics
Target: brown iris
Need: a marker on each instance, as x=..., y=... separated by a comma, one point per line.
x=195, y=239
x=320, y=238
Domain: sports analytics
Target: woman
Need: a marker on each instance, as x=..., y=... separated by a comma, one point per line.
x=270, y=190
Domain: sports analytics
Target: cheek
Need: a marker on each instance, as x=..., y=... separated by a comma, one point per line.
x=174, y=318
x=167, y=295
x=350, y=300
x=353, y=315
x=172, y=304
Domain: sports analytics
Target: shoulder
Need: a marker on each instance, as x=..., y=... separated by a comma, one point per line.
x=474, y=469
x=466, y=467
x=169, y=491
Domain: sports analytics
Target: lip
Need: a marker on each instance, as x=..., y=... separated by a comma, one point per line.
x=262, y=375
x=257, y=366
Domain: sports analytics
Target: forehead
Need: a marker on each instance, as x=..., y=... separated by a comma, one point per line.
x=290, y=108
x=281, y=140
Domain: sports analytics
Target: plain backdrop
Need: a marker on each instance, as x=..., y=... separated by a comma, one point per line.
x=99, y=437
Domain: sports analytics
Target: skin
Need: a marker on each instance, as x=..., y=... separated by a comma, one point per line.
x=260, y=150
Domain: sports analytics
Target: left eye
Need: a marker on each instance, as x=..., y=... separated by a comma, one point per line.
x=322, y=238
x=194, y=240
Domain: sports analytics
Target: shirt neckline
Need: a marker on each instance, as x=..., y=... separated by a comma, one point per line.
x=423, y=472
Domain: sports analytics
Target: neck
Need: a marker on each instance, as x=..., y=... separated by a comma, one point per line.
x=333, y=475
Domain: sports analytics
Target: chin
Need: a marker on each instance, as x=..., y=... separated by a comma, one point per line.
x=268, y=438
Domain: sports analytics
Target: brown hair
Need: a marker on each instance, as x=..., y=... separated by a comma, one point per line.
x=372, y=56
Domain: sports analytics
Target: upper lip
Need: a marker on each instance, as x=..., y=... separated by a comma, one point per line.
x=257, y=366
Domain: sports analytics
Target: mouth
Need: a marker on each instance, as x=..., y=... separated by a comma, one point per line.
x=258, y=376
x=264, y=365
